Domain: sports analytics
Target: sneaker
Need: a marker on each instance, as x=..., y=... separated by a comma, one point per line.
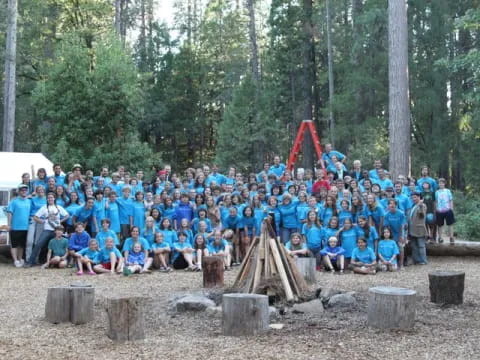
x=92, y=273
x=22, y=262
x=17, y=263
x=79, y=273
x=127, y=271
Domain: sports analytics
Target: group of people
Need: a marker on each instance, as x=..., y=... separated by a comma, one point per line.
x=122, y=223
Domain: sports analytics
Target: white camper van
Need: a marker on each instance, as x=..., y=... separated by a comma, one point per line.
x=12, y=166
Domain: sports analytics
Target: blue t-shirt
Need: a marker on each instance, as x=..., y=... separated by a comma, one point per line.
x=216, y=248
x=103, y=235
x=169, y=236
x=99, y=212
x=429, y=180
x=232, y=222
x=337, y=250
x=161, y=245
x=366, y=256
x=179, y=246
x=371, y=237
x=125, y=210
x=114, y=216
x=396, y=221
x=327, y=158
x=250, y=223
x=138, y=208
x=78, y=241
x=91, y=254
x=136, y=258
x=37, y=203
x=348, y=239
x=277, y=170
x=289, y=215
x=376, y=213
x=104, y=256
x=20, y=209
x=83, y=214
x=314, y=235
x=288, y=246
x=129, y=242
x=388, y=248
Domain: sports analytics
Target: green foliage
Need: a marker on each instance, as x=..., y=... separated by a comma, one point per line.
x=90, y=104
x=467, y=216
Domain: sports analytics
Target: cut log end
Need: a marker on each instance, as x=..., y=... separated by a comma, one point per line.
x=245, y=314
x=446, y=287
x=391, y=308
x=125, y=319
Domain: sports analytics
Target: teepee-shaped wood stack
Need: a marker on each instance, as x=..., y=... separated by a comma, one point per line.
x=268, y=269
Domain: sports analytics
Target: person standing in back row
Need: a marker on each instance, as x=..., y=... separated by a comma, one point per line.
x=417, y=229
x=18, y=215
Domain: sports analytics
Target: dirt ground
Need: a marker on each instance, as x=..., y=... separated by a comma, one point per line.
x=439, y=332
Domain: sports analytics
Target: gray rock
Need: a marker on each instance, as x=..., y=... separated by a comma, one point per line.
x=313, y=307
x=193, y=303
x=342, y=301
x=214, y=310
x=272, y=310
x=327, y=293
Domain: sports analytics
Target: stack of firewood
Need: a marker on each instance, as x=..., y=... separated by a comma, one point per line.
x=268, y=269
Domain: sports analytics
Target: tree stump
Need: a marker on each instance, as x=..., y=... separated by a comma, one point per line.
x=57, y=307
x=82, y=301
x=391, y=308
x=244, y=314
x=307, y=267
x=446, y=287
x=125, y=319
x=72, y=303
x=213, y=270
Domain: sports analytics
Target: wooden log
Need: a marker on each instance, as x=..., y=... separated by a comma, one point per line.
x=446, y=287
x=244, y=314
x=213, y=271
x=391, y=308
x=82, y=301
x=281, y=270
x=125, y=319
x=307, y=267
x=460, y=248
x=57, y=307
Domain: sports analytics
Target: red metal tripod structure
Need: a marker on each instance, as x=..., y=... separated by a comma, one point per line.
x=297, y=145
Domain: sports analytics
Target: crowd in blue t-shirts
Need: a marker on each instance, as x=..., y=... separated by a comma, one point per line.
x=345, y=216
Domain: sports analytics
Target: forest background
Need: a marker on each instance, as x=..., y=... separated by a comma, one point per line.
x=104, y=82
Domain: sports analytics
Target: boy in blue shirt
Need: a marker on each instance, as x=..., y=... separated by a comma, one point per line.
x=78, y=240
x=333, y=257
x=18, y=217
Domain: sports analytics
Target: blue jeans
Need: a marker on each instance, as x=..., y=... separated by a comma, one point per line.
x=42, y=241
x=285, y=234
x=419, y=250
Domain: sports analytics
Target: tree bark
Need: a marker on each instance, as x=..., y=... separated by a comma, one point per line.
x=331, y=88
x=391, y=308
x=399, y=106
x=125, y=319
x=244, y=314
x=307, y=267
x=308, y=79
x=446, y=287
x=213, y=271
x=10, y=78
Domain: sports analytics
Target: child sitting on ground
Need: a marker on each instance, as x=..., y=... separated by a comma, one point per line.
x=200, y=250
x=363, y=258
x=296, y=247
x=387, y=251
x=57, y=250
x=183, y=254
x=136, y=261
x=333, y=255
x=78, y=240
x=219, y=247
x=161, y=251
x=110, y=259
x=88, y=257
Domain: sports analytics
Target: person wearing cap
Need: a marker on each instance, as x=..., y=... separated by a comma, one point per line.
x=18, y=217
x=417, y=230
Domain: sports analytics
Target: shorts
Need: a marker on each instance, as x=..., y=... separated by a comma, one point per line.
x=18, y=238
x=107, y=266
x=445, y=216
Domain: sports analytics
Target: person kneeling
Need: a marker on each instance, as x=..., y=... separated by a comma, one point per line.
x=57, y=250
x=332, y=254
x=110, y=259
x=363, y=259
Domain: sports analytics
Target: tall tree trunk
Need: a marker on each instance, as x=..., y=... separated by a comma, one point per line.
x=399, y=107
x=259, y=146
x=331, y=89
x=357, y=49
x=118, y=16
x=10, y=78
x=308, y=79
x=143, y=37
